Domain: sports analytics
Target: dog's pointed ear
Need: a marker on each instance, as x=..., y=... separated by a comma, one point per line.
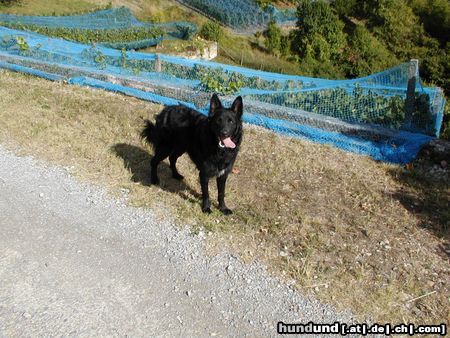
x=238, y=106
x=214, y=105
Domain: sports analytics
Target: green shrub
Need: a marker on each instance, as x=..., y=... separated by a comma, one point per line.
x=319, y=32
x=272, y=39
x=357, y=106
x=217, y=81
x=435, y=15
x=445, y=131
x=211, y=31
x=365, y=54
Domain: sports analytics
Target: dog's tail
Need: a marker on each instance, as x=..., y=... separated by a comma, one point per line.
x=149, y=132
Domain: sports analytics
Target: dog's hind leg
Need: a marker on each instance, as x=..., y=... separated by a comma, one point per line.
x=221, y=180
x=173, y=163
x=160, y=154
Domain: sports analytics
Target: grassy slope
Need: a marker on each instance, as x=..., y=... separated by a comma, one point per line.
x=241, y=50
x=355, y=232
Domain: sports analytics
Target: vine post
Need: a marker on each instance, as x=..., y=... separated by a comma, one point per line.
x=158, y=66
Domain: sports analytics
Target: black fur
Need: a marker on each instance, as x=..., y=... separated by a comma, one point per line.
x=180, y=129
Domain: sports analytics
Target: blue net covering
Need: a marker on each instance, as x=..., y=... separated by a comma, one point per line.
x=282, y=16
x=118, y=22
x=375, y=115
x=241, y=14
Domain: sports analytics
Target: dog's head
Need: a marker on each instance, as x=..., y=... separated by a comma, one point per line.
x=226, y=123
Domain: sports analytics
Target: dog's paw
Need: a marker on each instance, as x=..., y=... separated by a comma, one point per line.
x=207, y=210
x=154, y=180
x=226, y=211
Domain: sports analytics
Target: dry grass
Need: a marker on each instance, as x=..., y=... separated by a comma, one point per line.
x=57, y=7
x=155, y=10
x=247, y=51
x=354, y=232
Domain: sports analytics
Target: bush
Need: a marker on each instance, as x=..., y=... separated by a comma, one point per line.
x=272, y=38
x=445, y=131
x=211, y=31
x=344, y=7
x=435, y=15
x=365, y=54
x=319, y=31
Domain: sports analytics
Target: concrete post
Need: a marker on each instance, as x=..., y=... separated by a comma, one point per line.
x=158, y=66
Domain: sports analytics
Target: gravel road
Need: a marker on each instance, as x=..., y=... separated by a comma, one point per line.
x=75, y=261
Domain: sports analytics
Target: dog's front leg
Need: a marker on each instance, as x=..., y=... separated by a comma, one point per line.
x=206, y=204
x=221, y=180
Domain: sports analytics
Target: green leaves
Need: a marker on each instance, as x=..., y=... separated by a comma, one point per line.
x=23, y=44
x=319, y=31
x=357, y=105
x=221, y=82
x=88, y=36
x=273, y=37
x=211, y=31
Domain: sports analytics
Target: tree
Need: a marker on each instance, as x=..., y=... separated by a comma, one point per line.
x=319, y=32
x=435, y=15
x=345, y=7
x=394, y=22
x=365, y=54
x=272, y=37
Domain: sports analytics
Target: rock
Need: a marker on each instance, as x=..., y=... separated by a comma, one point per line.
x=437, y=150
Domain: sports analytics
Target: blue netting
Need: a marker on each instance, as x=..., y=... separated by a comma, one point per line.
x=365, y=115
x=282, y=16
x=241, y=13
x=118, y=19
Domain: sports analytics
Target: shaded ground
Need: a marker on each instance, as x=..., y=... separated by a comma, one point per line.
x=342, y=226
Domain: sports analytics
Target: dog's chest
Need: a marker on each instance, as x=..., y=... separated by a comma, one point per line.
x=220, y=164
x=221, y=172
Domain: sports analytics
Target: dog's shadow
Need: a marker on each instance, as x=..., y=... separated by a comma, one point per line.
x=137, y=161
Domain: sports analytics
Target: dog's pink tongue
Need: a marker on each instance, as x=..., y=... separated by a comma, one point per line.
x=228, y=143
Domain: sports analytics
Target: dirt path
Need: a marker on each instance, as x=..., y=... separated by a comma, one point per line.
x=74, y=261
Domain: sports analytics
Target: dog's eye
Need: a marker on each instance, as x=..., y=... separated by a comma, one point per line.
x=230, y=120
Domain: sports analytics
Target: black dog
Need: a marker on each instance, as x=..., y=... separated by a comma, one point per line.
x=212, y=143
